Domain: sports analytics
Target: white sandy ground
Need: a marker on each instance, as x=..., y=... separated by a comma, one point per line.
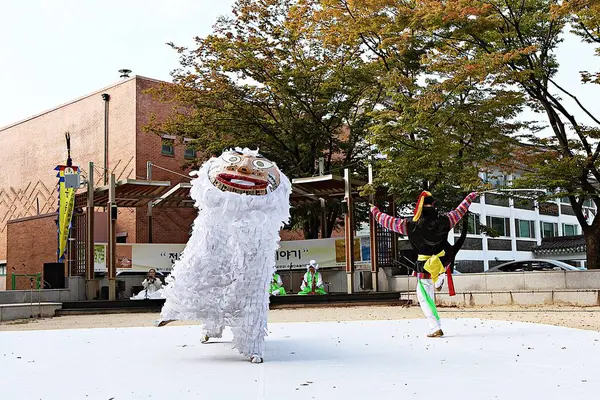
x=573, y=317
x=376, y=359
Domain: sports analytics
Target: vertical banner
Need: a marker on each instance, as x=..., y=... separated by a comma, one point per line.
x=66, y=204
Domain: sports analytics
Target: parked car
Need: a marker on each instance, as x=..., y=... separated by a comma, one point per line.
x=533, y=265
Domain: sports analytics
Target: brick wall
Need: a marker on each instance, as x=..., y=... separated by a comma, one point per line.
x=170, y=225
x=299, y=234
x=23, y=235
x=33, y=147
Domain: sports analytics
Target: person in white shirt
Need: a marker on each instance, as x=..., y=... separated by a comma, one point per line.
x=152, y=286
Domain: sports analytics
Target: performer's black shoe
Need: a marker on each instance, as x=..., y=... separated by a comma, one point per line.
x=255, y=359
x=160, y=323
x=437, y=333
x=204, y=339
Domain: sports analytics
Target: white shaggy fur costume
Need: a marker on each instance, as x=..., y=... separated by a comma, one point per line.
x=223, y=276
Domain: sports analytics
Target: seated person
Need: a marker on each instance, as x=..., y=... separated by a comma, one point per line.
x=313, y=281
x=152, y=287
x=277, y=288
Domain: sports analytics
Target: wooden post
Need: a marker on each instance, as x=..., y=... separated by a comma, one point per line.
x=349, y=232
x=106, y=98
x=90, y=284
x=323, y=218
x=373, y=237
x=150, y=208
x=112, y=239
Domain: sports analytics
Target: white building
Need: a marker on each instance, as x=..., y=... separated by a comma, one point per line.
x=521, y=225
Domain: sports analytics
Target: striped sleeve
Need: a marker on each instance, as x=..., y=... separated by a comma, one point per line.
x=456, y=215
x=398, y=225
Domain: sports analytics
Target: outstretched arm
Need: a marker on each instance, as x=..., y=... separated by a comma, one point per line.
x=388, y=222
x=456, y=215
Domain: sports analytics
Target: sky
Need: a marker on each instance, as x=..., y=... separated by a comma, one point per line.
x=575, y=56
x=53, y=51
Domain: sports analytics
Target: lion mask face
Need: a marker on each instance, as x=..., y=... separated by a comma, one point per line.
x=244, y=173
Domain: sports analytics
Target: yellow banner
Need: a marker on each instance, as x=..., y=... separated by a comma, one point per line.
x=66, y=203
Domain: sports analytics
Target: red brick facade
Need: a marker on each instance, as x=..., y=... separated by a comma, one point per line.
x=33, y=148
x=32, y=242
x=170, y=225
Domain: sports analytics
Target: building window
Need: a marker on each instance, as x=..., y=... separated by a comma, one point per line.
x=548, y=229
x=548, y=209
x=523, y=204
x=473, y=227
x=190, y=153
x=496, y=200
x=570, y=230
x=2, y=269
x=525, y=229
x=500, y=225
x=168, y=145
x=589, y=214
x=496, y=180
x=586, y=202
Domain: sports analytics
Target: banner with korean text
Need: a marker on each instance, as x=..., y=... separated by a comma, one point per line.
x=294, y=254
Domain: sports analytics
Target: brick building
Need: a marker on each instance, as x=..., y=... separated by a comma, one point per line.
x=33, y=147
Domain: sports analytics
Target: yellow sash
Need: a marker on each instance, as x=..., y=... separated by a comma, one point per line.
x=433, y=264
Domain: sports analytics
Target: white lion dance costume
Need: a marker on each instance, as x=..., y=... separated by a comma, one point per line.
x=224, y=273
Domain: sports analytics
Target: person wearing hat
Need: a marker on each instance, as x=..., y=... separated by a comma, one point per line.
x=313, y=281
x=276, y=288
x=427, y=233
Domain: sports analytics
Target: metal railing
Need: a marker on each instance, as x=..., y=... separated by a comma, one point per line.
x=37, y=276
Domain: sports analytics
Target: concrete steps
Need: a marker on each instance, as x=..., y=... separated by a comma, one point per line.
x=290, y=301
x=11, y=312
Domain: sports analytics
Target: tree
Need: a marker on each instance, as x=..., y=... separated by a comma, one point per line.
x=435, y=130
x=261, y=80
x=506, y=46
x=513, y=43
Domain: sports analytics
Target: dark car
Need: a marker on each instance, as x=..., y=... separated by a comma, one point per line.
x=533, y=265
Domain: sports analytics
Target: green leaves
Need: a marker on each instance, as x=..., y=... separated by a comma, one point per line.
x=263, y=79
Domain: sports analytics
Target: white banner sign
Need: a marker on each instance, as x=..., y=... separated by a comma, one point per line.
x=291, y=254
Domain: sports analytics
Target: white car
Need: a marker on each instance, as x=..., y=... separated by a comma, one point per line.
x=533, y=265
